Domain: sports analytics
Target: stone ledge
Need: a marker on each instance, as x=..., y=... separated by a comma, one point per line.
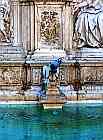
x=21, y=98
x=18, y=98
x=11, y=54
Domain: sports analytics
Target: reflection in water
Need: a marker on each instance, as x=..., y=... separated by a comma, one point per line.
x=29, y=122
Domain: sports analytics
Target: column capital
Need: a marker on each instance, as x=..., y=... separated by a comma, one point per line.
x=15, y=2
x=68, y=2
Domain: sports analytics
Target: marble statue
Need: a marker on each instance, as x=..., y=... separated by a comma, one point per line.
x=50, y=70
x=5, y=32
x=88, y=23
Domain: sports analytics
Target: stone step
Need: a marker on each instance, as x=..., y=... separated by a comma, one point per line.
x=53, y=106
x=52, y=86
x=55, y=92
x=53, y=99
x=52, y=91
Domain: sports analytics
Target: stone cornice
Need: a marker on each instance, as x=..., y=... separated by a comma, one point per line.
x=45, y=1
x=18, y=2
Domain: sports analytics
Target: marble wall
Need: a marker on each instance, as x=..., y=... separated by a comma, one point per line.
x=39, y=25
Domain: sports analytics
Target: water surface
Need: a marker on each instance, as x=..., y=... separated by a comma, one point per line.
x=31, y=122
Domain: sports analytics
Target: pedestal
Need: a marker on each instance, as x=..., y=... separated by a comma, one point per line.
x=53, y=99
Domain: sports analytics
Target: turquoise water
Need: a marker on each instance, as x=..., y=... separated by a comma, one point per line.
x=31, y=122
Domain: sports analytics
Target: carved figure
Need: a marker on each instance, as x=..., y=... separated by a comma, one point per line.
x=5, y=32
x=88, y=24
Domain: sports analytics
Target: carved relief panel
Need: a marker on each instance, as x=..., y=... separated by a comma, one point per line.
x=11, y=75
x=92, y=74
x=49, y=26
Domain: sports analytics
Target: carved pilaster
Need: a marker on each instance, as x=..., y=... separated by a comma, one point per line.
x=32, y=28
x=28, y=26
x=68, y=27
x=17, y=14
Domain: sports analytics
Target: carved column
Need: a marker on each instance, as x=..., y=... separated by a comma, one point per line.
x=68, y=28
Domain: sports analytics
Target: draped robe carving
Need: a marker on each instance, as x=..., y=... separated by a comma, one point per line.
x=88, y=26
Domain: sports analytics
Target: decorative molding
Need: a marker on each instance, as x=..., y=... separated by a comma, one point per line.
x=46, y=1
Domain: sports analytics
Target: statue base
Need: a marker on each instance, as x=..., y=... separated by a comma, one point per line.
x=53, y=99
